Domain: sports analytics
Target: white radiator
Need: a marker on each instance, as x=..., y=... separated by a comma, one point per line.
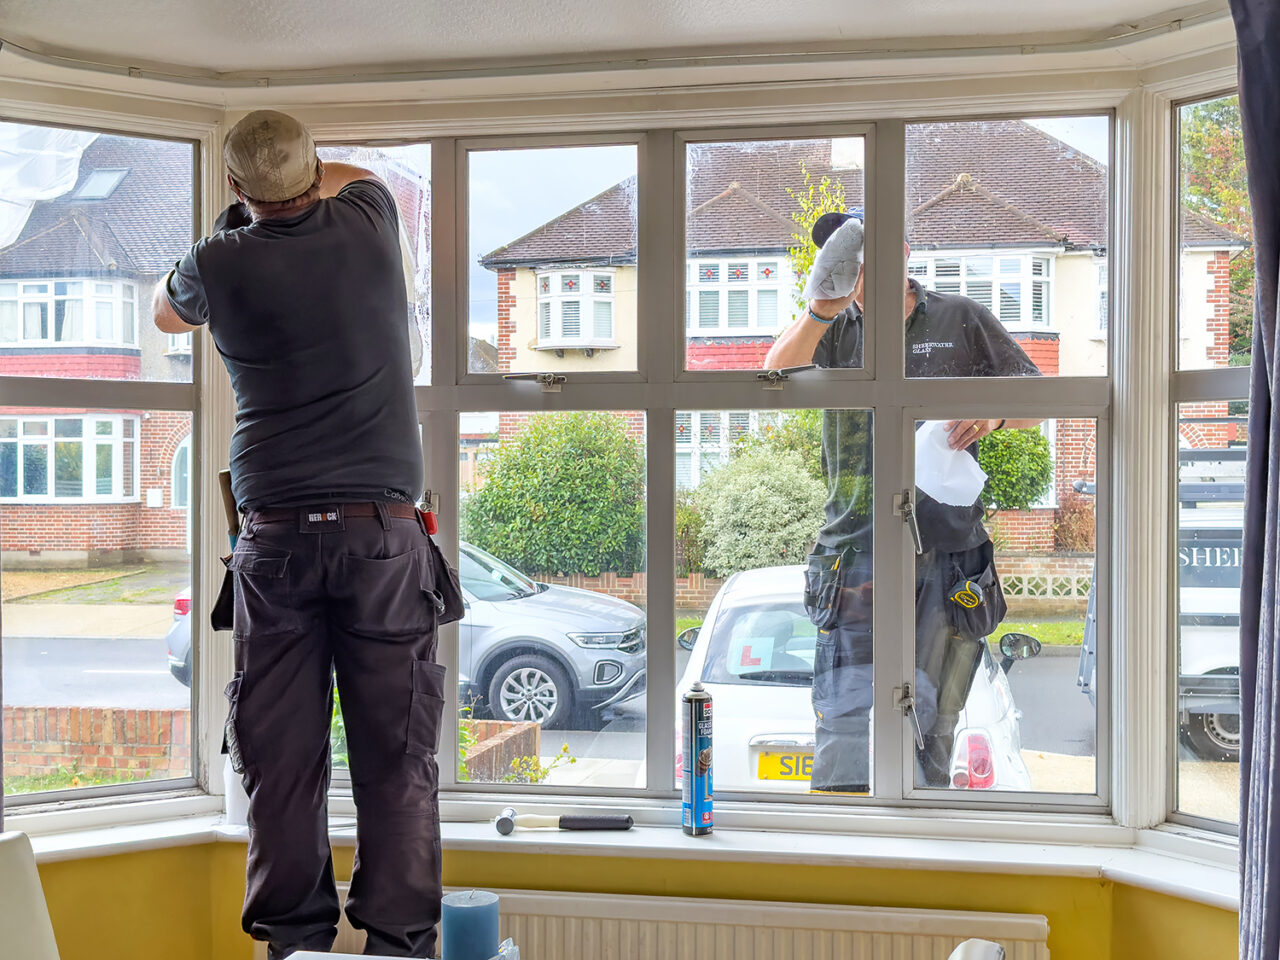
x=572, y=926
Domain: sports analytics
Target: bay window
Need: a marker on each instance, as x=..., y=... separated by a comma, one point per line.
x=576, y=309
x=739, y=296
x=1015, y=287
x=79, y=312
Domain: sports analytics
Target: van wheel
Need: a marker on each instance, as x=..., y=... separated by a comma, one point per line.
x=531, y=687
x=1213, y=736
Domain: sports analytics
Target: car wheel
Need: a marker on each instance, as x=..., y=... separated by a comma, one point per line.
x=531, y=687
x=1213, y=736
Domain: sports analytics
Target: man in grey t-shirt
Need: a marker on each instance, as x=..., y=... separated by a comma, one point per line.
x=334, y=572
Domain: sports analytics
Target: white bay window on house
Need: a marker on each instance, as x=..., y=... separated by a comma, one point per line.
x=68, y=459
x=576, y=308
x=1013, y=286
x=68, y=312
x=739, y=295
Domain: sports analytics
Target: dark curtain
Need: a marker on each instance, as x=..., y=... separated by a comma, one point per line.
x=1258, y=32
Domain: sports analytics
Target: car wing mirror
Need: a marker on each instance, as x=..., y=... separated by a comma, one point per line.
x=688, y=638
x=1019, y=646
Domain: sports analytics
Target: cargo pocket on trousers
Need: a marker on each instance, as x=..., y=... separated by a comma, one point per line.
x=232, y=745
x=426, y=707
x=822, y=590
x=262, y=601
x=387, y=597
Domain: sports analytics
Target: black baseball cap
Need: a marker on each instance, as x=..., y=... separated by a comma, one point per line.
x=829, y=223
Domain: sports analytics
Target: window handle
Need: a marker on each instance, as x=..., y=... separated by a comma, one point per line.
x=774, y=379
x=903, y=507
x=551, y=382
x=905, y=702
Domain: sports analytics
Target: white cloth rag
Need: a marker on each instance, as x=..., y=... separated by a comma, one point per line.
x=949, y=476
x=835, y=268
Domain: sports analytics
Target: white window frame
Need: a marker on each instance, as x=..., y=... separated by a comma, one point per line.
x=1025, y=277
x=783, y=282
x=1188, y=385
x=701, y=451
x=1140, y=312
x=180, y=496
x=106, y=399
x=179, y=344
x=120, y=294
x=123, y=450
x=551, y=332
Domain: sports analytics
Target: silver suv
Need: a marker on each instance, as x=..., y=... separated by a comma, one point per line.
x=526, y=650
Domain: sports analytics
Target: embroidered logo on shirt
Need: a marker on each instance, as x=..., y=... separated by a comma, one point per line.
x=928, y=346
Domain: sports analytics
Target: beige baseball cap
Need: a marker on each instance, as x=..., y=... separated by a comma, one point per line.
x=270, y=156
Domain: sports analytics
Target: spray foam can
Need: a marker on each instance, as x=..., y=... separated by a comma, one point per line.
x=696, y=771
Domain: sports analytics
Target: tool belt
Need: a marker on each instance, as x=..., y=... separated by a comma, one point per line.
x=290, y=514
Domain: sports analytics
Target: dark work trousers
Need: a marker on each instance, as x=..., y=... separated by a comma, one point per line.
x=316, y=595
x=842, y=678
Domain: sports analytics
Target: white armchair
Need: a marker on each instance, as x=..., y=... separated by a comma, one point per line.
x=25, y=929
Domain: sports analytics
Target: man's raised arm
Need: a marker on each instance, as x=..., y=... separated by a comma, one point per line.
x=338, y=175
x=796, y=344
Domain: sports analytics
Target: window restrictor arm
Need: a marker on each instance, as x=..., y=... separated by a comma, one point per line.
x=551, y=382
x=774, y=379
x=904, y=700
x=903, y=507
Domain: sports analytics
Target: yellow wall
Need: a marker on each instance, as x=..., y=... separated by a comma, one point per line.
x=184, y=903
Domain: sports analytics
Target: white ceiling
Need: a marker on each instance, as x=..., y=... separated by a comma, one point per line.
x=268, y=37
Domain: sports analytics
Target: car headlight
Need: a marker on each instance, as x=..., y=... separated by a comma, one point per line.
x=598, y=641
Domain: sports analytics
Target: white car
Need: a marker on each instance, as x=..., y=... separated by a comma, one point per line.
x=754, y=654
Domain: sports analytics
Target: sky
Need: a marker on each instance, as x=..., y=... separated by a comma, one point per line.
x=516, y=191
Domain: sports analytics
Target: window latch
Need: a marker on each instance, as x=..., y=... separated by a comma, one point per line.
x=551, y=382
x=904, y=701
x=903, y=507
x=773, y=379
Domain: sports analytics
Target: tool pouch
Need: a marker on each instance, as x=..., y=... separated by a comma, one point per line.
x=975, y=603
x=822, y=589
x=222, y=616
x=448, y=591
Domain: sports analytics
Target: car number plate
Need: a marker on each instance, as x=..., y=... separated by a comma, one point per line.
x=784, y=766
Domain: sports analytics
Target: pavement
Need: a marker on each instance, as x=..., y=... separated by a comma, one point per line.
x=144, y=620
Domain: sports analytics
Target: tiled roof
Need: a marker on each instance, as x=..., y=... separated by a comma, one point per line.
x=143, y=227
x=1021, y=186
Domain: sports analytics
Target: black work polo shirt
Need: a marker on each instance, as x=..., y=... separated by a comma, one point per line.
x=946, y=336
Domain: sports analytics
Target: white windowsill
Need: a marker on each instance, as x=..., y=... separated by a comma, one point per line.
x=1210, y=878
x=577, y=345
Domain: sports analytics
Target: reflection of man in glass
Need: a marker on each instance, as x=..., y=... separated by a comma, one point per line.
x=946, y=336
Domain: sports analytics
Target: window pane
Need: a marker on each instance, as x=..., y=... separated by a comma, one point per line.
x=602, y=320
x=567, y=706
x=35, y=470
x=573, y=206
x=1007, y=507
x=1033, y=195
x=1211, y=461
x=97, y=618
x=792, y=704
x=570, y=319
x=8, y=469
x=544, y=321
x=35, y=321
x=748, y=220
x=104, y=320
x=68, y=470
x=602, y=283
x=406, y=169
x=8, y=320
x=128, y=334
x=1216, y=272
x=140, y=229
x=767, y=309
x=128, y=453
x=103, y=454
x=708, y=308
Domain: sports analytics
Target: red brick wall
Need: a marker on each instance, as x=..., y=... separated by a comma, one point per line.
x=694, y=591
x=727, y=353
x=506, y=326
x=1220, y=299
x=109, y=527
x=1201, y=435
x=510, y=423
x=1023, y=531
x=84, y=366
x=40, y=740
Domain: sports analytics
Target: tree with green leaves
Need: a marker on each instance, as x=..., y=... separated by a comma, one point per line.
x=1019, y=468
x=1215, y=185
x=564, y=494
x=796, y=431
x=814, y=199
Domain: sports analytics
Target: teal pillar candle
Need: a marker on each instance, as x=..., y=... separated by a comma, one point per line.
x=470, y=925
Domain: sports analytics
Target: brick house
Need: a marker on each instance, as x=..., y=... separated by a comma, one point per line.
x=1009, y=216
x=84, y=487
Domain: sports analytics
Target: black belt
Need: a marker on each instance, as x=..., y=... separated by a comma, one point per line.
x=290, y=514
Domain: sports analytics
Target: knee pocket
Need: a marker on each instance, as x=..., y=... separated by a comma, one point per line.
x=426, y=709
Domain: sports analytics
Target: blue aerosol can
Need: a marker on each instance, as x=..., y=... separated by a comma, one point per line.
x=696, y=761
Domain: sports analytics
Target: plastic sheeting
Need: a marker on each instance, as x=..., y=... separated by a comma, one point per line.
x=36, y=163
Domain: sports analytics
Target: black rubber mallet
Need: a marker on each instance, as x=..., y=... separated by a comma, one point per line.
x=508, y=820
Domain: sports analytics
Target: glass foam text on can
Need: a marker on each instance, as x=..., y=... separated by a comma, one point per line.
x=696, y=761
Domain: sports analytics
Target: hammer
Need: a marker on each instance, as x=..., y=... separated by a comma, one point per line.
x=508, y=820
